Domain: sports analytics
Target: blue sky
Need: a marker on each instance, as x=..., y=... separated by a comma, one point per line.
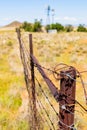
x=66, y=11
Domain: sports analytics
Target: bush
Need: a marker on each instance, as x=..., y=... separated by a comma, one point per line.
x=37, y=26
x=59, y=27
x=81, y=28
x=9, y=43
x=56, y=26
x=69, y=28
x=27, y=26
x=47, y=28
x=53, y=26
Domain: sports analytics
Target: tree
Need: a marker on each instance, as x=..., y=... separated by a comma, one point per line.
x=56, y=26
x=37, y=26
x=47, y=27
x=81, y=28
x=59, y=27
x=69, y=28
x=53, y=26
x=27, y=26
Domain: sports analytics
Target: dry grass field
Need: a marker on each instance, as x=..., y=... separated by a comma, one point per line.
x=50, y=49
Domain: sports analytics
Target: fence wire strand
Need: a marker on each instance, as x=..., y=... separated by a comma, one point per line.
x=25, y=57
x=39, y=101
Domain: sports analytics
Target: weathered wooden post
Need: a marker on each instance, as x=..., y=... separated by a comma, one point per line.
x=67, y=99
x=33, y=96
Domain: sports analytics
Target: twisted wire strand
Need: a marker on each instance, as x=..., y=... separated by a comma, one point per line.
x=46, y=112
x=67, y=95
x=43, y=114
x=58, y=74
x=67, y=126
x=55, y=71
x=51, y=105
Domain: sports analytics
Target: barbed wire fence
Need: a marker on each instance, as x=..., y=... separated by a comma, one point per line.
x=38, y=109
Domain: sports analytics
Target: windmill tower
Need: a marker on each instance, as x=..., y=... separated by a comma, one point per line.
x=53, y=13
x=48, y=15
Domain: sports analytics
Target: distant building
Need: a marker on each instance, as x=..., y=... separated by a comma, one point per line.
x=52, y=31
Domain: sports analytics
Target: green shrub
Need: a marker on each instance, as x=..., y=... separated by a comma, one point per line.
x=81, y=28
x=14, y=102
x=56, y=26
x=27, y=26
x=22, y=125
x=69, y=28
x=37, y=26
x=9, y=43
x=59, y=27
x=4, y=118
x=47, y=28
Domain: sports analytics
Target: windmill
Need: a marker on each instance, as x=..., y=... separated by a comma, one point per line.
x=48, y=15
x=53, y=13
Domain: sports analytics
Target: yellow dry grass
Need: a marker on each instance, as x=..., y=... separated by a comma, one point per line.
x=50, y=49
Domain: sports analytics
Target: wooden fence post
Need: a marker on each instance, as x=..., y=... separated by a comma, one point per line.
x=67, y=99
x=33, y=96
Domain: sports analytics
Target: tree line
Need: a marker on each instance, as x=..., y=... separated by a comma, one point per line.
x=37, y=27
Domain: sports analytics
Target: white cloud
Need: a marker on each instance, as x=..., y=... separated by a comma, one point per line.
x=11, y=18
x=66, y=18
x=58, y=18
x=70, y=18
x=6, y=19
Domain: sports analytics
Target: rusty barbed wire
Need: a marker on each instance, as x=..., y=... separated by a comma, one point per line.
x=25, y=57
x=62, y=92
x=39, y=101
x=53, y=71
x=43, y=114
x=51, y=105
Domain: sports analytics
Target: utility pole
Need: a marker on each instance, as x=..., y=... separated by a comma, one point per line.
x=32, y=89
x=67, y=99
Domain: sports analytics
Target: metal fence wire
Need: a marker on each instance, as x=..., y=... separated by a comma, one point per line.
x=67, y=75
